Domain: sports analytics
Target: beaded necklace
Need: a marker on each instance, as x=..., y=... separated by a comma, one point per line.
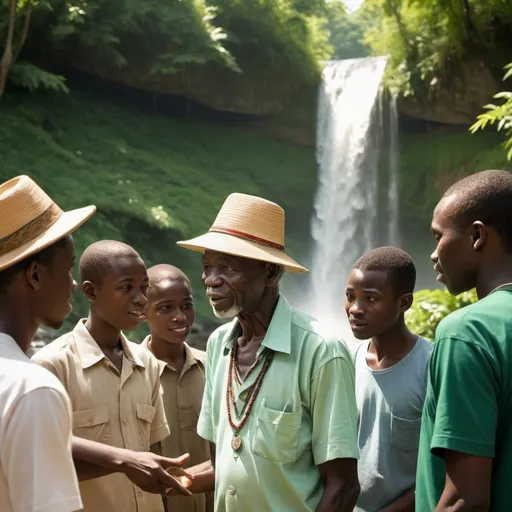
x=252, y=393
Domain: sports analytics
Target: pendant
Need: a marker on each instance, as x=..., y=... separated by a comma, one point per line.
x=236, y=442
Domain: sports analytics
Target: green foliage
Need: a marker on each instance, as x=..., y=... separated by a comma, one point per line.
x=431, y=306
x=154, y=180
x=500, y=114
x=428, y=41
x=283, y=37
x=26, y=75
x=346, y=33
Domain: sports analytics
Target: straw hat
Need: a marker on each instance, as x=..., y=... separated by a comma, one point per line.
x=31, y=221
x=250, y=227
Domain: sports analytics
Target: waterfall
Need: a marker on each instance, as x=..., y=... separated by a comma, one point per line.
x=352, y=128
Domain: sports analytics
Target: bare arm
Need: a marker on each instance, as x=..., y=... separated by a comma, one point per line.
x=403, y=504
x=152, y=473
x=468, y=483
x=341, y=485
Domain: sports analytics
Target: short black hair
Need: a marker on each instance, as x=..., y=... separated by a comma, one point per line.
x=96, y=260
x=486, y=197
x=45, y=257
x=395, y=262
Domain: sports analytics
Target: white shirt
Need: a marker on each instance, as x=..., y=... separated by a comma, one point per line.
x=37, y=473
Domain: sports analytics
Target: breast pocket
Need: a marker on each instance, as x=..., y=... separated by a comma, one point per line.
x=93, y=424
x=405, y=434
x=145, y=415
x=277, y=435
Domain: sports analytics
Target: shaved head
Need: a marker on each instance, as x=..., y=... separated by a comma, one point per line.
x=163, y=272
x=98, y=258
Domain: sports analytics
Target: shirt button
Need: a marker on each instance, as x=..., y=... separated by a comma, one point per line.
x=125, y=420
x=140, y=493
x=231, y=490
x=89, y=422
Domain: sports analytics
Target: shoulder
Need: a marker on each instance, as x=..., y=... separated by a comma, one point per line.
x=476, y=323
x=315, y=341
x=56, y=351
x=26, y=376
x=425, y=347
x=144, y=354
x=199, y=355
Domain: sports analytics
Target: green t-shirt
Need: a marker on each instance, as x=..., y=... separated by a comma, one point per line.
x=468, y=407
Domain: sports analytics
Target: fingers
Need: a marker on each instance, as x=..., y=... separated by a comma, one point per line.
x=182, y=459
x=178, y=483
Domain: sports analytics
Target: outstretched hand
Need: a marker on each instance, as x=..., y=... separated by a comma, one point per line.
x=156, y=474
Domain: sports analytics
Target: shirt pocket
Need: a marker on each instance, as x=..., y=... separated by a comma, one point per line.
x=277, y=434
x=93, y=424
x=145, y=416
x=405, y=434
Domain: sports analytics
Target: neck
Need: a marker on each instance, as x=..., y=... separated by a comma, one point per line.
x=497, y=273
x=255, y=324
x=166, y=351
x=395, y=343
x=17, y=321
x=105, y=335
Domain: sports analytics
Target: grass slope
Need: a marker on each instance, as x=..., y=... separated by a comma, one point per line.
x=154, y=180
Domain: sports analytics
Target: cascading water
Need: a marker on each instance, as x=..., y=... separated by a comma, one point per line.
x=346, y=220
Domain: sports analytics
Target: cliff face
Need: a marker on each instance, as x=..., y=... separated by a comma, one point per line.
x=460, y=102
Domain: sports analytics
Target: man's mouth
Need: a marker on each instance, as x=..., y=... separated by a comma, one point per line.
x=216, y=300
x=439, y=277
x=139, y=315
x=180, y=330
x=357, y=325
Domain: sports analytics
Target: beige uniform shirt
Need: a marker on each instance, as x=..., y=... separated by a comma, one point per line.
x=37, y=473
x=183, y=394
x=119, y=409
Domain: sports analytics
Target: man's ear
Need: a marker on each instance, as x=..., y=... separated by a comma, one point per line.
x=273, y=274
x=89, y=290
x=405, y=302
x=479, y=235
x=33, y=275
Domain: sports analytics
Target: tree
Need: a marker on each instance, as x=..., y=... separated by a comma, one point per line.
x=427, y=42
x=13, y=48
x=499, y=114
x=431, y=306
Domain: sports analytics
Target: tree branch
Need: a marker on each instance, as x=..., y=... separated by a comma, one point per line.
x=5, y=63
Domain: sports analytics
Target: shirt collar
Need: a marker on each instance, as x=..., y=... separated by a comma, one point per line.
x=190, y=359
x=279, y=333
x=89, y=351
x=10, y=343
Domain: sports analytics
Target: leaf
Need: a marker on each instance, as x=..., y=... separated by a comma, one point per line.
x=26, y=75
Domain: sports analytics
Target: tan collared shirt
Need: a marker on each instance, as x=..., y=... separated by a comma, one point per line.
x=119, y=409
x=183, y=394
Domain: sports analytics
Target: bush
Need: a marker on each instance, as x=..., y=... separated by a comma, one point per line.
x=431, y=306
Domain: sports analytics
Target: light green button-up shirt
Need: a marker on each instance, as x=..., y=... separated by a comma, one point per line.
x=305, y=415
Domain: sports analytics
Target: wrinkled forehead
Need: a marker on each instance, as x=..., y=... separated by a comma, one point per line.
x=220, y=258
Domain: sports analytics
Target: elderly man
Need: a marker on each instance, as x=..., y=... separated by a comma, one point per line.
x=279, y=403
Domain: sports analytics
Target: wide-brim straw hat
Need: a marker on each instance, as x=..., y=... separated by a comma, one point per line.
x=249, y=227
x=31, y=221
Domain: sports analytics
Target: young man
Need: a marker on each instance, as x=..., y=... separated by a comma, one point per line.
x=36, y=286
x=170, y=315
x=465, y=457
x=391, y=378
x=114, y=385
